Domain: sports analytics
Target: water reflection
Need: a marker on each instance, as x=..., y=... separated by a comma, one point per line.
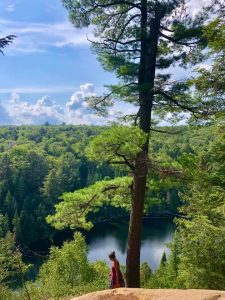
x=104, y=238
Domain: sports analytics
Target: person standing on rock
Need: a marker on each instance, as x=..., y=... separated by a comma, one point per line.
x=116, y=276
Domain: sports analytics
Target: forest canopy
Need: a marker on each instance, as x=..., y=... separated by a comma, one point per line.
x=39, y=164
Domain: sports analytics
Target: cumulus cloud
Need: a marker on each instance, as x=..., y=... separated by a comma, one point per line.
x=77, y=100
x=75, y=111
x=22, y=112
x=18, y=111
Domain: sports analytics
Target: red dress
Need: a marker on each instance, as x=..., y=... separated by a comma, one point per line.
x=113, y=277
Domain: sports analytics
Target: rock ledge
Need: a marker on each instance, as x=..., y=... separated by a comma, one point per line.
x=147, y=294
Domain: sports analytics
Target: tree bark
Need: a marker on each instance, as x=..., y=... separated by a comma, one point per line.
x=149, y=44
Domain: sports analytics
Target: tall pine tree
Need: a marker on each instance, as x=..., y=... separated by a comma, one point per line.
x=139, y=40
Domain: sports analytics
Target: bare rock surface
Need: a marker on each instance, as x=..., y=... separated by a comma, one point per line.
x=147, y=294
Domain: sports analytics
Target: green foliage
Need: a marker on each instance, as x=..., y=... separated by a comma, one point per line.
x=74, y=208
x=146, y=273
x=166, y=274
x=68, y=272
x=4, y=226
x=11, y=263
x=187, y=150
x=197, y=258
x=202, y=234
x=117, y=145
x=37, y=165
x=200, y=153
x=209, y=83
x=28, y=151
x=7, y=294
x=163, y=259
x=64, y=177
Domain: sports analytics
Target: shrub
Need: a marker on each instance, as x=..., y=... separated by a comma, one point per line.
x=68, y=272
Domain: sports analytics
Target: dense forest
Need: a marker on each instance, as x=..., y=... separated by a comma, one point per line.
x=40, y=164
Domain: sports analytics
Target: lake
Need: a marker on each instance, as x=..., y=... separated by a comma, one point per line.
x=107, y=237
x=112, y=236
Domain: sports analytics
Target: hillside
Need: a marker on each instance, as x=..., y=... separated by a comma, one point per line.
x=159, y=294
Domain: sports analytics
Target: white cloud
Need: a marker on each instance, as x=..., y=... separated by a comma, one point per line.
x=10, y=7
x=22, y=112
x=75, y=111
x=19, y=111
x=196, y=6
x=37, y=37
x=34, y=89
x=78, y=98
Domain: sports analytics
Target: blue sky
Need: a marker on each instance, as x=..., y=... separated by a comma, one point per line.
x=49, y=69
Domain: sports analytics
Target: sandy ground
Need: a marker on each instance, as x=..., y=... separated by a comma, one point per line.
x=146, y=294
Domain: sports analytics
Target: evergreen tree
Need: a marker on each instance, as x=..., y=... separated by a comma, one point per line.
x=11, y=263
x=163, y=260
x=17, y=228
x=145, y=273
x=4, y=226
x=137, y=39
x=9, y=206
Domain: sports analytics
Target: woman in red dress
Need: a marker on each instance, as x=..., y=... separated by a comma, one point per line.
x=116, y=276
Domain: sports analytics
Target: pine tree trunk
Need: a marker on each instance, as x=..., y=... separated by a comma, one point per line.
x=149, y=44
x=135, y=226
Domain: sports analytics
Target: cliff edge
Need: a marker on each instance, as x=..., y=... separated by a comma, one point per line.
x=147, y=294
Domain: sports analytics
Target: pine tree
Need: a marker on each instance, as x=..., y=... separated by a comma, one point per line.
x=163, y=260
x=4, y=226
x=17, y=227
x=137, y=39
x=9, y=206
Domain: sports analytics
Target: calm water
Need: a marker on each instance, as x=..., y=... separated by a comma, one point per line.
x=105, y=238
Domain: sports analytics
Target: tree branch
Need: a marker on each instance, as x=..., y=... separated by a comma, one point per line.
x=188, y=44
x=113, y=48
x=126, y=161
x=162, y=131
x=117, y=3
x=125, y=26
x=6, y=41
x=86, y=205
x=166, y=29
x=171, y=99
x=123, y=43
